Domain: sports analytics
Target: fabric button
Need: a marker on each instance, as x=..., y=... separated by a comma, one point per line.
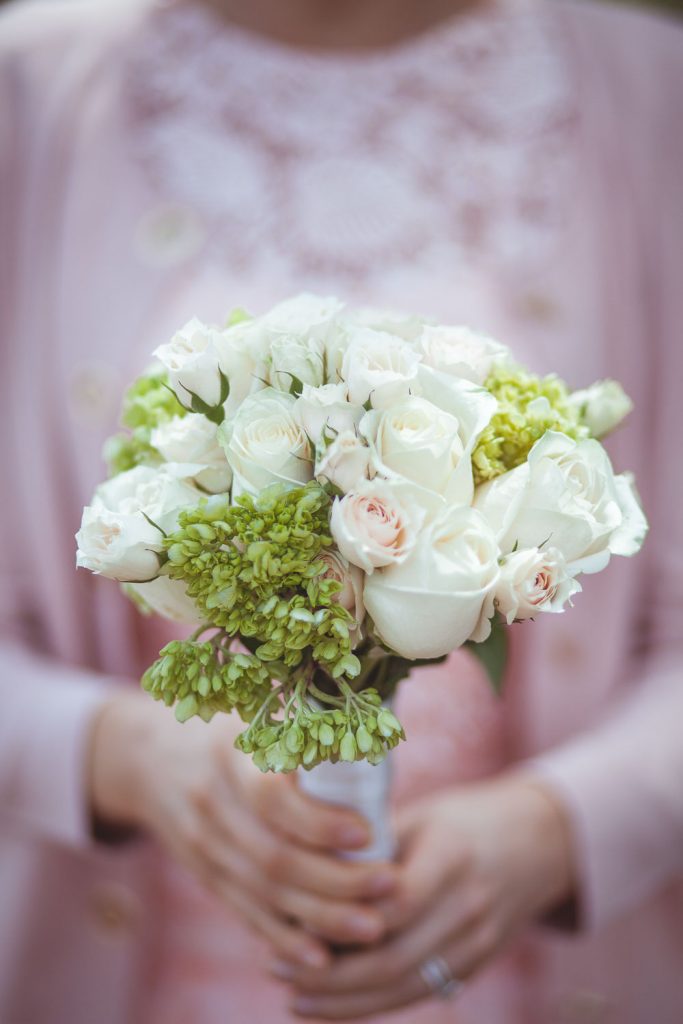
x=168, y=235
x=115, y=908
x=94, y=391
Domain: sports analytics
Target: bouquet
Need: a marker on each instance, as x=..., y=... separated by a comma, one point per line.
x=331, y=497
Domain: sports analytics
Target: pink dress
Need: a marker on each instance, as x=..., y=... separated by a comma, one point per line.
x=518, y=169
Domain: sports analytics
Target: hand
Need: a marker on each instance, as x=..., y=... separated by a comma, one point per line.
x=255, y=840
x=476, y=865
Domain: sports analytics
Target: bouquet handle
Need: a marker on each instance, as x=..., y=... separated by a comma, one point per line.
x=364, y=788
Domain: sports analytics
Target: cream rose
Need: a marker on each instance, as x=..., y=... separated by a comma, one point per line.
x=460, y=352
x=602, y=406
x=379, y=367
x=326, y=407
x=373, y=527
x=351, y=579
x=345, y=462
x=566, y=495
x=532, y=581
x=117, y=538
x=192, y=439
x=442, y=595
x=265, y=444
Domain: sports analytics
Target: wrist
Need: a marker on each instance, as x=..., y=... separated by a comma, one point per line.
x=550, y=838
x=121, y=737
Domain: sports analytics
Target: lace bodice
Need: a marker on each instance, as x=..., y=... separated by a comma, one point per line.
x=449, y=152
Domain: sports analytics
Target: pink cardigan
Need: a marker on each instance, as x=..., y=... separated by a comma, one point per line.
x=594, y=699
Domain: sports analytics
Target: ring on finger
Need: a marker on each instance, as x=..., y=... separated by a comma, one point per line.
x=438, y=977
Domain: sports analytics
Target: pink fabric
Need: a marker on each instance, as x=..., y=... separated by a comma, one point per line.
x=107, y=243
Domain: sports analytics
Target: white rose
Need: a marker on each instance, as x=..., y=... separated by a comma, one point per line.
x=602, y=406
x=531, y=581
x=429, y=438
x=407, y=327
x=304, y=315
x=351, y=595
x=242, y=354
x=326, y=406
x=265, y=444
x=460, y=352
x=192, y=439
x=168, y=598
x=192, y=361
x=380, y=367
x=116, y=539
x=345, y=462
x=415, y=439
x=373, y=526
x=441, y=595
x=567, y=495
x=293, y=357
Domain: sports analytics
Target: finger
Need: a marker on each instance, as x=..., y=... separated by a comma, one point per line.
x=359, y=1004
x=464, y=958
x=308, y=821
x=286, y=940
x=424, y=874
x=331, y=919
x=287, y=865
x=458, y=914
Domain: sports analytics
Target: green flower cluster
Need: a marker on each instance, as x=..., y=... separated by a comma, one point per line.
x=254, y=570
x=148, y=403
x=206, y=678
x=355, y=727
x=528, y=406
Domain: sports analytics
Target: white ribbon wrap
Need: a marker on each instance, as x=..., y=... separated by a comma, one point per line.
x=363, y=787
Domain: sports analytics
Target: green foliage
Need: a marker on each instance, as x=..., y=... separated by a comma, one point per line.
x=492, y=653
x=528, y=406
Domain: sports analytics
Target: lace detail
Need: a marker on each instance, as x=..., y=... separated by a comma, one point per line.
x=451, y=150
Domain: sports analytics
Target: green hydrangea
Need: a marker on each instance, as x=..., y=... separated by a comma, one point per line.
x=528, y=406
x=253, y=569
x=147, y=404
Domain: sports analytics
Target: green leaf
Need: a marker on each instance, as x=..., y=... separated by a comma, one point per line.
x=492, y=653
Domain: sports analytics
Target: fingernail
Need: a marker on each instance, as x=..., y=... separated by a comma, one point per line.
x=312, y=957
x=364, y=926
x=281, y=969
x=353, y=835
x=381, y=885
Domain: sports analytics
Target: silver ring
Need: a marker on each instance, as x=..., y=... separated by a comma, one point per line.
x=439, y=978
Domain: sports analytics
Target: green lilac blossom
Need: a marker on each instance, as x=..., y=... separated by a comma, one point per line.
x=206, y=678
x=352, y=727
x=528, y=406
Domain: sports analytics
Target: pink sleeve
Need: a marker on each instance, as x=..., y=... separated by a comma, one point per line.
x=44, y=734
x=623, y=781
x=46, y=707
